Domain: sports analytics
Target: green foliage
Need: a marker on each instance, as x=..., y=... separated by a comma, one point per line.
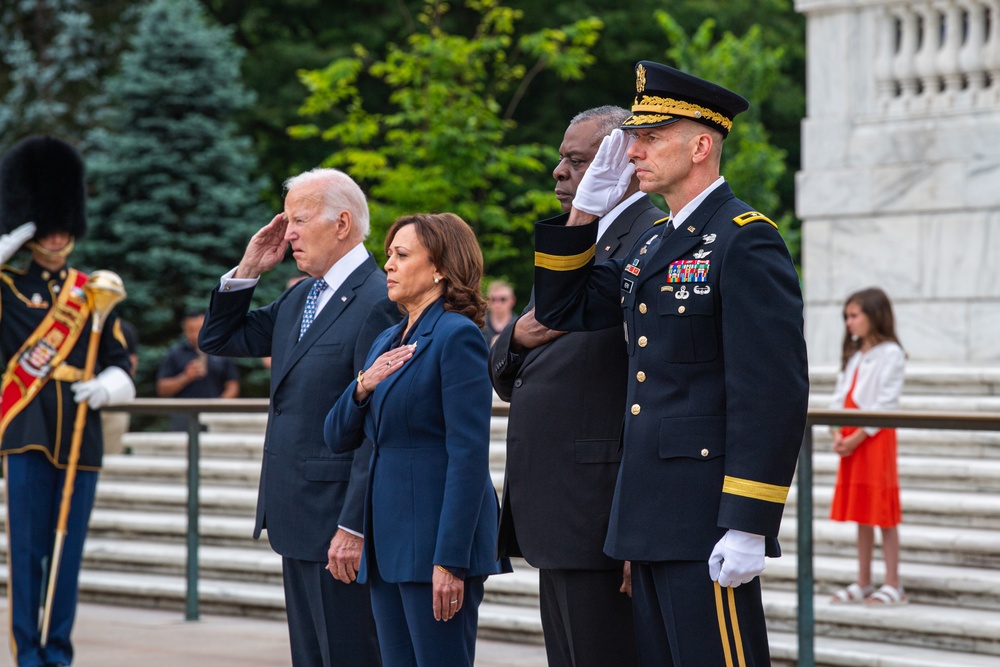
x=751, y=164
x=172, y=203
x=441, y=141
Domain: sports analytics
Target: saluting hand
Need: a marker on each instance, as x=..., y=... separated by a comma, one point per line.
x=266, y=249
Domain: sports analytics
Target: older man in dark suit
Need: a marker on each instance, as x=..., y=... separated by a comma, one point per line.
x=317, y=334
x=566, y=394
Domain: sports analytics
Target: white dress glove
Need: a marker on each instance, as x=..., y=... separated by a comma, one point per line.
x=112, y=386
x=737, y=558
x=10, y=243
x=606, y=180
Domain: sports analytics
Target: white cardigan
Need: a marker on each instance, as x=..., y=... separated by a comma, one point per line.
x=880, y=379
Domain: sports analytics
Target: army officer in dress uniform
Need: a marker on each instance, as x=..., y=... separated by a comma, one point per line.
x=718, y=385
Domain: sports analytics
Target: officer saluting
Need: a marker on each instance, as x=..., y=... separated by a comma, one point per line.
x=718, y=381
x=46, y=327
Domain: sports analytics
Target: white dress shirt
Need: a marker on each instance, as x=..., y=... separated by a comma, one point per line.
x=880, y=379
x=612, y=215
x=690, y=207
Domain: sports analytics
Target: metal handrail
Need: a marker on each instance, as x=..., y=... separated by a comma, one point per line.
x=192, y=407
x=962, y=421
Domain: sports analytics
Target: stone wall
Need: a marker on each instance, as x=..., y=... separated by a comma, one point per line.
x=900, y=180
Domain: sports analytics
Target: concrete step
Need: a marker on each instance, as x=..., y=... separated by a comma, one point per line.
x=975, y=631
x=929, y=443
x=834, y=652
x=497, y=620
x=926, y=403
x=961, y=475
x=929, y=583
x=236, y=422
x=169, y=527
x=954, y=546
x=211, y=444
x=933, y=379
x=174, y=470
x=157, y=497
x=923, y=507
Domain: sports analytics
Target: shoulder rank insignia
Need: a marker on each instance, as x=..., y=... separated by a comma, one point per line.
x=752, y=216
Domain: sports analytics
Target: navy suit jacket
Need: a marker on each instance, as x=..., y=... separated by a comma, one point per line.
x=564, y=431
x=430, y=497
x=305, y=491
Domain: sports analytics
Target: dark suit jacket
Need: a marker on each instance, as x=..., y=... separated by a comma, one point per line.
x=717, y=383
x=430, y=496
x=305, y=491
x=564, y=430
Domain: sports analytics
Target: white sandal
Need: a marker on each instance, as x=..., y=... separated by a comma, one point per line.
x=853, y=594
x=887, y=596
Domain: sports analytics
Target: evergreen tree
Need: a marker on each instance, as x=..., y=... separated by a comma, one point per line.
x=172, y=203
x=52, y=59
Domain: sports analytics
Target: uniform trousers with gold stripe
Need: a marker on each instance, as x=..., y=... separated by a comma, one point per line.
x=684, y=619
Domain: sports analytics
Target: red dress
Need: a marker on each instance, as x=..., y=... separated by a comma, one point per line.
x=867, y=489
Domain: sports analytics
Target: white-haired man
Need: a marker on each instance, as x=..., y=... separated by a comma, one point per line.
x=317, y=334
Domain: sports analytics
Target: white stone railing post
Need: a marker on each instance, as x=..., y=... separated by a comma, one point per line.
x=904, y=63
x=972, y=54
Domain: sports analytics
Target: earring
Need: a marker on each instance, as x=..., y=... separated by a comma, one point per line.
x=436, y=280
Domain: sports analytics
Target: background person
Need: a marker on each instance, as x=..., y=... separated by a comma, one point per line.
x=187, y=372
x=500, y=302
x=425, y=401
x=45, y=330
x=566, y=394
x=867, y=488
x=317, y=334
x=718, y=377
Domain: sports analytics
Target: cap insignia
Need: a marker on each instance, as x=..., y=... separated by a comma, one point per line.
x=640, y=79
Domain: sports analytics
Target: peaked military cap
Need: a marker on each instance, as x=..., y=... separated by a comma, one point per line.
x=42, y=181
x=665, y=95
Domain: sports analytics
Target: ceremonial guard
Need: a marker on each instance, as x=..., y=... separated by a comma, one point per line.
x=717, y=381
x=46, y=331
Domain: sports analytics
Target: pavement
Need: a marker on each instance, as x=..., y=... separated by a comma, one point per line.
x=109, y=636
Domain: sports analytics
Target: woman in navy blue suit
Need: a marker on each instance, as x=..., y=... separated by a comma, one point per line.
x=424, y=400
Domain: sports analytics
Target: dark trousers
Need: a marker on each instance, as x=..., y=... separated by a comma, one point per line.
x=34, y=493
x=330, y=623
x=409, y=635
x=586, y=620
x=684, y=619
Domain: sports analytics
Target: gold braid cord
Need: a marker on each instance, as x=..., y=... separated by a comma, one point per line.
x=672, y=107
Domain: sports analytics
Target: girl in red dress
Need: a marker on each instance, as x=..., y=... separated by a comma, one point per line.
x=867, y=489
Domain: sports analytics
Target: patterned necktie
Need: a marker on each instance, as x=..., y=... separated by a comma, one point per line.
x=309, y=314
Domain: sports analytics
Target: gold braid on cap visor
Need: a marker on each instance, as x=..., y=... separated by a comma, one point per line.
x=672, y=107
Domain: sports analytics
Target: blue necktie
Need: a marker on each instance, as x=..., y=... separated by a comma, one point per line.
x=309, y=314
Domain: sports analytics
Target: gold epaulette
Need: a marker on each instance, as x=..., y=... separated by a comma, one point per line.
x=752, y=216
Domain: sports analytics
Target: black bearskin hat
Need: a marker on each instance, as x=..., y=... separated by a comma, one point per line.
x=42, y=181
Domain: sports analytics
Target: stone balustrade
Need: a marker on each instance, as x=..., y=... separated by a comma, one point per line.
x=933, y=56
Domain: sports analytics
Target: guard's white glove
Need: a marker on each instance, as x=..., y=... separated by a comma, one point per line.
x=606, y=180
x=112, y=386
x=10, y=243
x=737, y=558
